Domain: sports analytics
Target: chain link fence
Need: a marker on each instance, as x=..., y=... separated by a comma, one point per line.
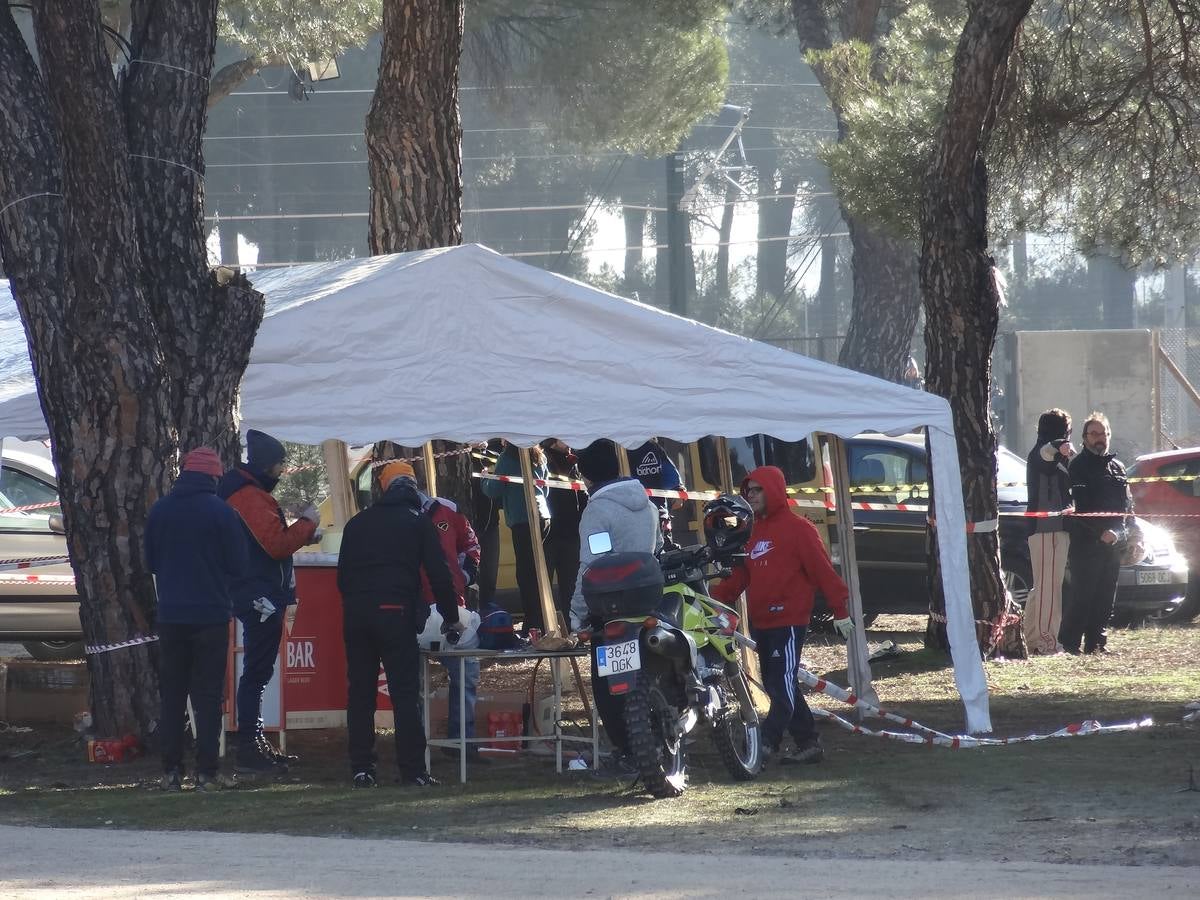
x=1180, y=415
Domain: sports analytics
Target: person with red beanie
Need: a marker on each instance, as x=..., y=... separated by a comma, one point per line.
x=786, y=564
x=195, y=548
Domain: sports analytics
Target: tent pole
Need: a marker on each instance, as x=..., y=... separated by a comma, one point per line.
x=622, y=462
x=856, y=650
x=430, y=469
x=749, y=657
x=337, y=468
x=549, y=613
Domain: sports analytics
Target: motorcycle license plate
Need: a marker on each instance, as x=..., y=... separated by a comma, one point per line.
x=618, y=659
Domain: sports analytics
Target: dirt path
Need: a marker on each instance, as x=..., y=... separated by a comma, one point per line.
x=113, y=865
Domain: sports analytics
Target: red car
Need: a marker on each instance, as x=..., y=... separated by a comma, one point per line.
x=1162, y=501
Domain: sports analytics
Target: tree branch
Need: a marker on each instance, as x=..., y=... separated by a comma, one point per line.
x=230, y=77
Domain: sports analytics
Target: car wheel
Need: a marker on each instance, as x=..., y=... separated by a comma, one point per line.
x=55, y=651
x=1018, y=581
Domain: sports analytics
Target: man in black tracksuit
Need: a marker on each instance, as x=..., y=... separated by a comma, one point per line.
x=1098, y=484
x=383, y=551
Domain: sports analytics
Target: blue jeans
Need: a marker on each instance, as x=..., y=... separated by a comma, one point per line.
x=471, y=670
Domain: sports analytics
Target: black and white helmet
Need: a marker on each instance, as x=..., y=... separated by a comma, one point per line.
x=728, y=521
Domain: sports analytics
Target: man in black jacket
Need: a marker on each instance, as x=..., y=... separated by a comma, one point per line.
x=379, y=576
x=1098, y=484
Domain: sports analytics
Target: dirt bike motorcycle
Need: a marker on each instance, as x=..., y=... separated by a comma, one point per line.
x=672, y=652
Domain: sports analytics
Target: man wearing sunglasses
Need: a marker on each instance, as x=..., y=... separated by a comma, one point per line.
x=785, y=565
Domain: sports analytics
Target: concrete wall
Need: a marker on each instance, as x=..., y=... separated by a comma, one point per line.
x=1081, y=371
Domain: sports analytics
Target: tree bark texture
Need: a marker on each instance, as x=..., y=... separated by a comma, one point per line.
x=886, y=300
x=775, y=208
x=635, y=237
x=962, y=301
x=886, y=304
x=109, y=271
x=414, y=136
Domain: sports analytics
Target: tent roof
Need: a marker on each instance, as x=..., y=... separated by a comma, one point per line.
x=464, y=344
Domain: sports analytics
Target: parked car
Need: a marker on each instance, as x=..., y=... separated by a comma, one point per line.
x=891, y=544
x=42, y=616
x=1162, y=502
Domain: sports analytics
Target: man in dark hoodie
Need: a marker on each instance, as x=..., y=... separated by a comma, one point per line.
x=786, y=564
x=195, y=548
x=1098, y=484
x=1049, y=487
x=384, y=550
x=262, y=596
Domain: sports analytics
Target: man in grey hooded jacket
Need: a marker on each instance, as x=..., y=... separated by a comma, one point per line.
x=620, y=507
x=616, y=505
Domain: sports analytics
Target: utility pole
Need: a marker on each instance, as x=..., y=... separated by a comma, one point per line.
x=677, y=236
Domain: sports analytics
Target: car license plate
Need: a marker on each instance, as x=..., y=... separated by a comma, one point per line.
x=1153, y=577
x=618, y=659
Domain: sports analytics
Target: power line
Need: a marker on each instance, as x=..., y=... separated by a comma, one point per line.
x=513, y=87
x=530, y=253
x=522, y=129
x=565, y=207
x=363, y=162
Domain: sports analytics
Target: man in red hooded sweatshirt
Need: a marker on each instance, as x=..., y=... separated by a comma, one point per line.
x=786, y=564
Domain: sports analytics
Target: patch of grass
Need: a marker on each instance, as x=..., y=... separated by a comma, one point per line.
x=1110, y=798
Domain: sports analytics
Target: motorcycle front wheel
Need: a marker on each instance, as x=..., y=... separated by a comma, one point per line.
x=651, y=722
x=737, y=733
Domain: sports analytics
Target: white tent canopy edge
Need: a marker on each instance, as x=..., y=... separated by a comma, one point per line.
x=356, y=350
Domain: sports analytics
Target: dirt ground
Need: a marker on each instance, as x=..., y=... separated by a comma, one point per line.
x=120, y=865
x=1102, y=800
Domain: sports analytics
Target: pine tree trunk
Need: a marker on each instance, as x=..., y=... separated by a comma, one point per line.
x=111, y=282
x=414, y=152
x=1115, y=286
x=723, y=235
x=887, y=302
x=962, y=302
x=635, y=236
x=774, y=222
x=887, y=299
x=414, y=136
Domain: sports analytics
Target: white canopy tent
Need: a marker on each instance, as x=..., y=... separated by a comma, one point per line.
x=463, y=344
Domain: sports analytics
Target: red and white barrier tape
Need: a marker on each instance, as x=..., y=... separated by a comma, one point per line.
x=32, y=562
x=931, y=737
x=968, y=742
x=52, y=504
x=94, y=649
x=37, y=579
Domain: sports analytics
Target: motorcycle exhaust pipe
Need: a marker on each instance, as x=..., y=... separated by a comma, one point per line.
x=667, y=643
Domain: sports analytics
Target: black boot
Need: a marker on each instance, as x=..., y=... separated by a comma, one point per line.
x=251, y=760
x=268, y=750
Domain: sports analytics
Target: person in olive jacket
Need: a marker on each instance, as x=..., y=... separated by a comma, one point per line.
x=1098, y=485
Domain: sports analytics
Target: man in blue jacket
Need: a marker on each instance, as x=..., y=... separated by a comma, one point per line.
x=195, y=548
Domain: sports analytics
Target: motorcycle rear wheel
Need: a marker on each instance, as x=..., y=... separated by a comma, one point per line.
x=739, y=737
x=658, y=753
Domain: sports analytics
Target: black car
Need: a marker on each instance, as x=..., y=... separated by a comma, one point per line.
x=891, y=544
